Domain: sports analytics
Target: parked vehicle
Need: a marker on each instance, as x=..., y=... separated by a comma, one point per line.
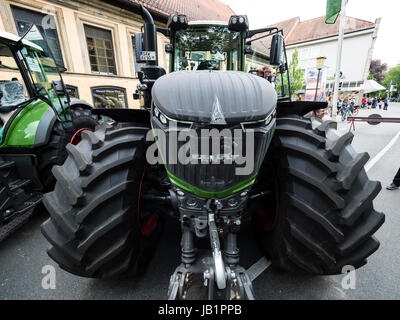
x=37, y=120
x=307, y=195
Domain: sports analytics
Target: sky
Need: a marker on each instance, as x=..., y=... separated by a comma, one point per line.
x=266, y=12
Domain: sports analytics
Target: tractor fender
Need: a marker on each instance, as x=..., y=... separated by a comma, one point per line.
x=81, y=103
x=125, y=115
x=45, y=127
x=30, y=126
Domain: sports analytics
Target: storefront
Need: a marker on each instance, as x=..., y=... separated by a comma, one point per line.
x=109, y=98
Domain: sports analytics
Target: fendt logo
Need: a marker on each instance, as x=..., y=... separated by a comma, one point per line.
x=217, y=115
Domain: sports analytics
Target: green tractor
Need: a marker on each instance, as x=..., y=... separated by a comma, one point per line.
x=37, y=120
x=213, y=147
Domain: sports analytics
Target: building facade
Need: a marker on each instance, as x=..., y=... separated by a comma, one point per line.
x=313, y=38
x=93, y=40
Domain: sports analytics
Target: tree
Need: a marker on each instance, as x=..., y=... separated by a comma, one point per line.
x=394, y=76
x=377, y=70
x=296, y=75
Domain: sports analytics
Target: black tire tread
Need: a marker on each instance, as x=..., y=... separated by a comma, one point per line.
x=87, y=237
x=320, y=238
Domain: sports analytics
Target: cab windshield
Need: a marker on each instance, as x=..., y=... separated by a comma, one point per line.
x=40, y=64
x=207, y=48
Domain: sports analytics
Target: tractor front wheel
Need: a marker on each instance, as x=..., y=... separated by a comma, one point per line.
x=95, y=225
x=323, y=218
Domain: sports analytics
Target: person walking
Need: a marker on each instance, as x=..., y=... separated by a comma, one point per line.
x=396, y=182
x=364, y=103
x=386, y=103
x=374, y=101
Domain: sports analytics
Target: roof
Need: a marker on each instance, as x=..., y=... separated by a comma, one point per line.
x=286, y=25
x=194, y=9
x=316, y=29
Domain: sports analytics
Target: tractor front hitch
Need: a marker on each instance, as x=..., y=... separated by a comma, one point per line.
x=219, y=271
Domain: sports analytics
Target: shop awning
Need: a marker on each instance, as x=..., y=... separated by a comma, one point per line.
x=372, y=86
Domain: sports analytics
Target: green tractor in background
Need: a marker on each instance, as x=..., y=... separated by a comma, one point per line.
x=37, y=120
x=306, y=194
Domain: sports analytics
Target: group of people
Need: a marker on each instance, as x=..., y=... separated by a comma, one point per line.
x=346, y=106
x=268, y=73
x=375, y=102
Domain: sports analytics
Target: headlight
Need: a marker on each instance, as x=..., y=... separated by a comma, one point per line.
x=160, y=116
x=156, y=112
x=270, y=118
x=163, y=119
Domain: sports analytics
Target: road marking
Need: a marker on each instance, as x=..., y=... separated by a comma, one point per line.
x=378, y=157
x=259, y=267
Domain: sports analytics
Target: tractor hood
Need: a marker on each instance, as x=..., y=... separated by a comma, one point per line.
x=214, y=97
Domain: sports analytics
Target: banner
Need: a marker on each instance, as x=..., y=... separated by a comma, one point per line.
x=333, y=8
x=312, y=94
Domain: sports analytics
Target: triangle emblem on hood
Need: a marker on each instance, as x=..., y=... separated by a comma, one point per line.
x=217, y=116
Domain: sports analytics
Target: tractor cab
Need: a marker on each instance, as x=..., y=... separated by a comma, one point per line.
x=213, y=46
x=28, y=73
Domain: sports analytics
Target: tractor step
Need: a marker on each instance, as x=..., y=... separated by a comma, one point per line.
x=15, y=224
x=6, y=164
x=17, y=218
x=17, y=199
x=19, y=184
x=31, y=203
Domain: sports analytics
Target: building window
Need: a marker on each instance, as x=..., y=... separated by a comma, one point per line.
x=109, y=98
x=72, y=91
x=45, y=23
x=100, y=48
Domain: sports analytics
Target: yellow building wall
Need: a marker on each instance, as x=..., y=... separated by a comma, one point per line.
x=70, y=22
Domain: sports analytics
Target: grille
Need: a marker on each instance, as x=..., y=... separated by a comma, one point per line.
x=214, y=165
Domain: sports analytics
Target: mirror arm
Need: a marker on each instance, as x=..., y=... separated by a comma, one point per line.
x=166, y=32
x=252, y=33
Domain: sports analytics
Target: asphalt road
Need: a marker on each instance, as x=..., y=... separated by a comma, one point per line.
x=23, y=255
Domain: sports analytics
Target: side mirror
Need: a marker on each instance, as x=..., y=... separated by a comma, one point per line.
x=276, y=49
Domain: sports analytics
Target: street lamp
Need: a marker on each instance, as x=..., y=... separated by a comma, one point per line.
x=320, y=65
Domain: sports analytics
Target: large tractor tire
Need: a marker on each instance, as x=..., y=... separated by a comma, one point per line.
x=95, y=227
x=54, y=153
x=324, y=217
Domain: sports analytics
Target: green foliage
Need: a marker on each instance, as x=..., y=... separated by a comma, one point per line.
x=371, y=77
x=393, y=75
x=296, y=75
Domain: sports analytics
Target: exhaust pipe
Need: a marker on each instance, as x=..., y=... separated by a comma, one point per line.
x=149, y=34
